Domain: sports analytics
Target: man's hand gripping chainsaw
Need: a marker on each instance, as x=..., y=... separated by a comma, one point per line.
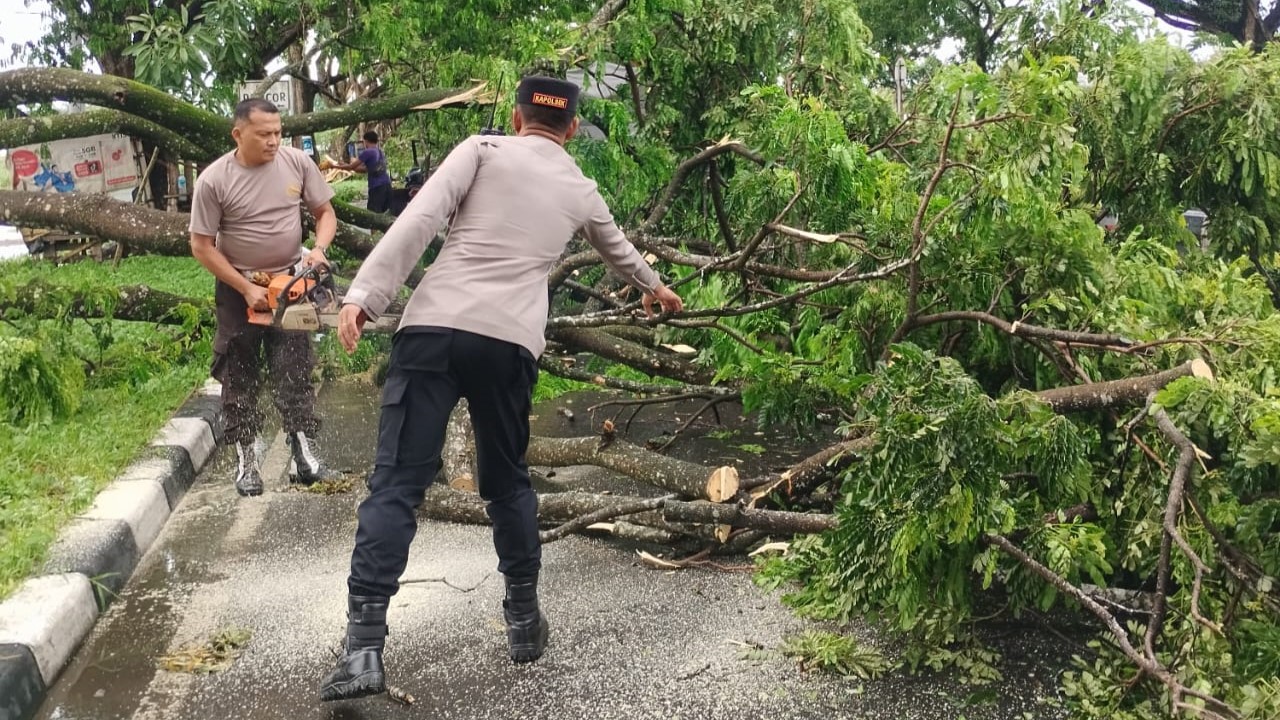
x=305, y=301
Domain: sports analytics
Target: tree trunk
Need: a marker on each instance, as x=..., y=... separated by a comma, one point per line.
x=774, y=521
x=145, y=228
x=142, y=228
x=138, y=303
x=614, y=348
x=361, y=217
x=446, y=504
x=378, y=109
x=32, y=130
x=686, y=478
x=459, y=450
x=35, y=85
x=449, y=505
x=211, y=133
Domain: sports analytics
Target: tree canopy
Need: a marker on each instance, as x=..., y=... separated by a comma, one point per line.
x=1028, y=408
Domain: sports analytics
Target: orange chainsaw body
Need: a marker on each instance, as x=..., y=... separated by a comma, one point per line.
x=292, y=302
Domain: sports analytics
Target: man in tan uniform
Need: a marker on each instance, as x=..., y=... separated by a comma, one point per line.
x=246, y=222
x=473, y=329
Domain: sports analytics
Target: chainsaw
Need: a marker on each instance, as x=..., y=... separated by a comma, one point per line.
x=305, y=301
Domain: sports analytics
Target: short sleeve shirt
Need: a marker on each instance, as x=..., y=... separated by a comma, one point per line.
x=255, y=213
x=375, y=164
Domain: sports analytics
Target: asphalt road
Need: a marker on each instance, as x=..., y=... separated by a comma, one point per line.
x=627, y=642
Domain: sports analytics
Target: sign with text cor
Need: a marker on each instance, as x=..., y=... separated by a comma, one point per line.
x=280, y=93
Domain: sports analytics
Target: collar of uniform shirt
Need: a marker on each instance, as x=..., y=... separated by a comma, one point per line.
x=527, y=130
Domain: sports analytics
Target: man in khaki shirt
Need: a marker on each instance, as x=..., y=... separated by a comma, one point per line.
x=474, y=329
x=246, y=222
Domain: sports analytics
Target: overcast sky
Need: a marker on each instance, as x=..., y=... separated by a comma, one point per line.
x=23, y=22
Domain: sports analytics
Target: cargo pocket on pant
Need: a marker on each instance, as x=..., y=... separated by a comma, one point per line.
x=524, y=370
x=391, y=422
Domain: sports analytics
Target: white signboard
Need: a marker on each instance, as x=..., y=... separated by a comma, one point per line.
x=97, y=164
x=280, y=93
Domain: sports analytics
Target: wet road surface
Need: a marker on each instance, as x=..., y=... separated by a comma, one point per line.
x=627, y=642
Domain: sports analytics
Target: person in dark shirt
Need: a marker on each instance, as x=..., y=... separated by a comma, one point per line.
x=373, y=162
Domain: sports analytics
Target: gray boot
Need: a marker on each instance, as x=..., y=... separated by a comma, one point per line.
x=248, y=479
x=305, y=467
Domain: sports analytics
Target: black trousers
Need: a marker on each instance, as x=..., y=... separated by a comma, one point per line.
x=379, y=199
x=430, y=369
x=240, y=351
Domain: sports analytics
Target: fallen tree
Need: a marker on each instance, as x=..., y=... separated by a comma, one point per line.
x=908, y=277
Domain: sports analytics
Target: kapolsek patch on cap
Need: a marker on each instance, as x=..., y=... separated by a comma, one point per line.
x=548, y=92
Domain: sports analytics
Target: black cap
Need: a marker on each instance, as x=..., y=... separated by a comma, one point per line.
x=548, y=92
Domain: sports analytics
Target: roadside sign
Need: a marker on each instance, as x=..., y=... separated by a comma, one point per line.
x=280, y=93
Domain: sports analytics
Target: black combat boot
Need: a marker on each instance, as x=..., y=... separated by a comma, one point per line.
x=527, y=627
x=359, y=672
x=305, y=467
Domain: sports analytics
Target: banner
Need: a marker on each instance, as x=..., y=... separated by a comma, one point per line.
x=97, y=164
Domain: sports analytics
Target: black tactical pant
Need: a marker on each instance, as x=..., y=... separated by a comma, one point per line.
x=240, y=350
x=430, y=369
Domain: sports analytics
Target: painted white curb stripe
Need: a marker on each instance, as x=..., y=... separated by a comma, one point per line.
x=50, y=615
x=140, y=503
x=193, y=434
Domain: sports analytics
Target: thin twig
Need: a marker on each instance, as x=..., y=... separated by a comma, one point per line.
x=754, y=243
x=1231, y=556
x=444, y=581
x=710, y=405
x=650, y=401
x=685, y=168
x=716, y=325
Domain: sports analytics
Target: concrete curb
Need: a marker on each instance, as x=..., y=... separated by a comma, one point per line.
x=44, y=622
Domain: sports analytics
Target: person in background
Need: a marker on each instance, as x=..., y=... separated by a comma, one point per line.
x=373, y=163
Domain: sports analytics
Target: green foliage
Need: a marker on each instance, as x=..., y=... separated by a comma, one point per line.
x=550, y=387
x=43, y=484
x=840, y=654
x=992, y=175
x=178, y=275
x=1261, y=701
x=914, y=512
x=36, y=385
x=102, y=387
x=174, y=50
x=943, y=646
x=1101, y=688
x=335, y=361
x=1258, y=650
x=351, y=190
